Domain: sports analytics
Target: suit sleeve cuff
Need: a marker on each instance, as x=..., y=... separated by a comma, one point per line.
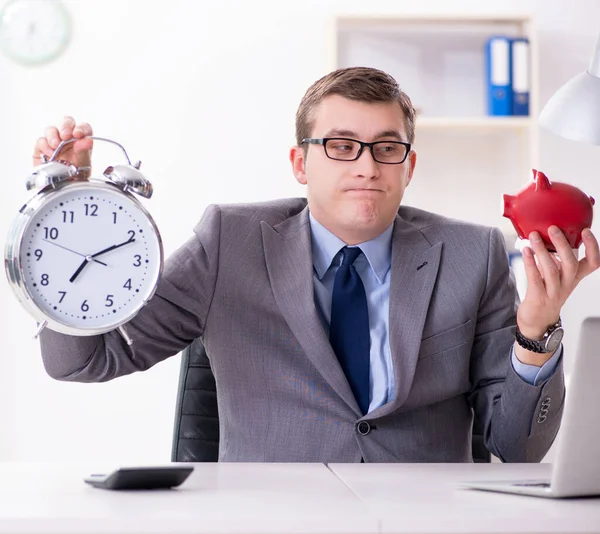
x=532, y=374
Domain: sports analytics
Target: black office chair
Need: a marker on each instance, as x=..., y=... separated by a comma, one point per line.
x=196, y=429
x=480, y=453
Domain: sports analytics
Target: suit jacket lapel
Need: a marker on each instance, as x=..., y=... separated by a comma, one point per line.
x=415, y=264
x=288, y=256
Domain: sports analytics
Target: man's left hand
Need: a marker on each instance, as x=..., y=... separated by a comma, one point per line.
x=552, y=278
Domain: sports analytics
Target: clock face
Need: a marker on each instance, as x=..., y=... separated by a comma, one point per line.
x=34, y=31
x=90, y=258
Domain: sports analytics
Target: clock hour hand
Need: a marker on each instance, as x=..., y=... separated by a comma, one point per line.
x=80, y=268
x=92, y=257
x=113, y=247
x=71, y=250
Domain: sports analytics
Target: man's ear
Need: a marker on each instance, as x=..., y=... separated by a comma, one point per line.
x=298, y=161
x=412, y=163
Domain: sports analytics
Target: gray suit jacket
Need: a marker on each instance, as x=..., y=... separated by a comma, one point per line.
x=244, y=283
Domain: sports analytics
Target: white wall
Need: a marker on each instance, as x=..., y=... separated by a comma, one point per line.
x=178, y=83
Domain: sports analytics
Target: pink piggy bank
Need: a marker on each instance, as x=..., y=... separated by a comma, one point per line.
x=543, y=203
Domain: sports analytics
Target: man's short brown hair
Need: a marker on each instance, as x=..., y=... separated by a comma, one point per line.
x=362, y=84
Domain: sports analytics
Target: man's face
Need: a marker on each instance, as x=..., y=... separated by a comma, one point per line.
x=355, y=200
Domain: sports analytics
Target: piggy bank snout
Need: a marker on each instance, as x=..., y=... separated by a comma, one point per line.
x=508, y=205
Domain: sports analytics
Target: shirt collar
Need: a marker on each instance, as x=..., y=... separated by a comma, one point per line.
x=325, y=246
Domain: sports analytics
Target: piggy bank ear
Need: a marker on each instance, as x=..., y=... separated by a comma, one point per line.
x=541, y=180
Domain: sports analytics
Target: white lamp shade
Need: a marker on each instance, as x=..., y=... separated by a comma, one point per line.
x=574, y=110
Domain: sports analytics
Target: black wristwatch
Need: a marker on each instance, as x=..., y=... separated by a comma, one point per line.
x=549, y=342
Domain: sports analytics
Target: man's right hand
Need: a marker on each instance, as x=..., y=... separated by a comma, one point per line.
x=78, y=153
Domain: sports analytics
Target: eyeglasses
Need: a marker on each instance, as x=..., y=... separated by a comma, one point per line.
x=343, y=149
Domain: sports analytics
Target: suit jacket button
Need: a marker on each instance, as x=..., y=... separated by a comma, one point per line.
x=363, y=428
x=546, y=401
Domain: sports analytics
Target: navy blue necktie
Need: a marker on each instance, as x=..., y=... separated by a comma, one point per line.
x=349, y=331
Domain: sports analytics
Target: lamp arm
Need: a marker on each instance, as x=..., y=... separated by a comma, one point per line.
x=594, y=67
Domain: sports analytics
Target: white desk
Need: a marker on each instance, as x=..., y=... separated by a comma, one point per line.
x=289, y=498
x=425, y=498
x=216, y=498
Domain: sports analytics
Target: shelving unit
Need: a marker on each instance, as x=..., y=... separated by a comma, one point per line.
x=515, y=123
x=466, y=160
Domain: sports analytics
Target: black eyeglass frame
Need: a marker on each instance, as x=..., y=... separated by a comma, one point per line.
x=323, y=141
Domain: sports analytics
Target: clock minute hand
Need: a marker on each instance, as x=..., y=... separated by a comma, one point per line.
x=113, y=247
x=92, y=257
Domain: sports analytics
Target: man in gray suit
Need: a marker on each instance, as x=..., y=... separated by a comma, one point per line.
x=344, y=326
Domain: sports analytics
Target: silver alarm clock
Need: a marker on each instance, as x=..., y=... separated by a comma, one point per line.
x=83, y=256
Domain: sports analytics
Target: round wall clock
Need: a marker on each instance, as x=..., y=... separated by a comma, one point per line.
x=34, y=32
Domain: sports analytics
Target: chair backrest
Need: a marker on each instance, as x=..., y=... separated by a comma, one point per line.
x=480, y=453
x=196, y=429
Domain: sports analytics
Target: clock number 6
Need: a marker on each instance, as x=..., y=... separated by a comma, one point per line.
x=84, y=306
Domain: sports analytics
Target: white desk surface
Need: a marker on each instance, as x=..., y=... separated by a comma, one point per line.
x=216, y=498
x=426, y=498
x=233, y=498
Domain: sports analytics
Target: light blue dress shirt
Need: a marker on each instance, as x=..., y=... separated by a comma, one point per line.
x=374, y=269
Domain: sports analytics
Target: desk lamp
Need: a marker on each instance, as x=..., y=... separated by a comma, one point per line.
x=573, y=111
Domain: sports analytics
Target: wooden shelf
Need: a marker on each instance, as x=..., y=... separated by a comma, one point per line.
x=474, y=122
x=408, y=18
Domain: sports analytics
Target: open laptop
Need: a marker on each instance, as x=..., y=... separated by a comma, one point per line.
x=576, y=469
